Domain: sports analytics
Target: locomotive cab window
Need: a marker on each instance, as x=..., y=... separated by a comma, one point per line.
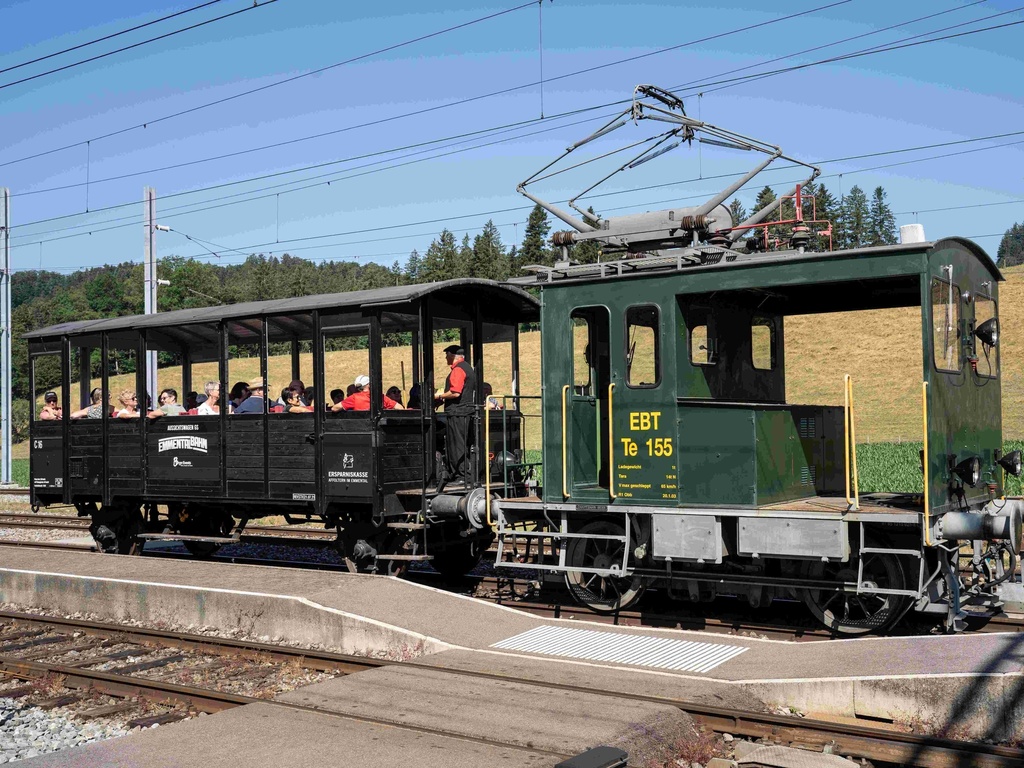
x=702, y=342
x=988, y=356
x=643, y=360
x=762, y=343
x=946, y=325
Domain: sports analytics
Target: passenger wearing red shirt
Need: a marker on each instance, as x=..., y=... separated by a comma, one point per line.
x=360, y=399
x=459, y=400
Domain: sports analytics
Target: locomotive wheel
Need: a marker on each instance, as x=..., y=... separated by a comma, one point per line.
x=120, y=535
x=200, y=523
x=601, y=594
x=457, y=560
x=846, y=613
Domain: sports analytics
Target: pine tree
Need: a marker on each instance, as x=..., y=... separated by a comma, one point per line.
x=488, y=259
x=882, y=220
x=739, y=213
x=462, y=266
x=855, y=227
x=413, y=266
x=1011, y=247
x=535, y=246
x=441, y=259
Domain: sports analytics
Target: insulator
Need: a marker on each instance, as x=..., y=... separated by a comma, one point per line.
x=693, y=221
x=564, y=237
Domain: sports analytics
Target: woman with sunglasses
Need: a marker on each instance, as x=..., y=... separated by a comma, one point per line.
x=130, y=403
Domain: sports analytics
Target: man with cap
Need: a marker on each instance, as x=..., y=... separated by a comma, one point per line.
x=458, y=398
x=257, y=400
x=51, y=408
x=359, y=400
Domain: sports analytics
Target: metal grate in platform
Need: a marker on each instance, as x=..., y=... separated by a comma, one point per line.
x=622, y=648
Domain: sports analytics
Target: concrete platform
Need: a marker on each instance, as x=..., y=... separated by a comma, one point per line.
x=971, y=682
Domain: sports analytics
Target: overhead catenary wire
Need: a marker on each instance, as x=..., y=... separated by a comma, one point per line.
x=256, y=4
x=104, y=38
x=419, y=112
x=250, y=249
x=168, y=213
x=875, y=49
x=383, y=120
x=268, y=86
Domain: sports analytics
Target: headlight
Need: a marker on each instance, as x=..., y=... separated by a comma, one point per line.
x=969, y=470
x=1011, y=463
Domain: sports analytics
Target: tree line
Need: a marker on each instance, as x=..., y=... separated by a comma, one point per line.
x=41, y=298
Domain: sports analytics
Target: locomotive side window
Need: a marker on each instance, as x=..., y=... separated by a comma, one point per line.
x=702, y=345
x=643, y=360
x=946, y=325
x=984, y=310
x=581, y=359
x=762, y=343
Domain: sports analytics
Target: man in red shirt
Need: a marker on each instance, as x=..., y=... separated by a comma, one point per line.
x=459, y=399
x=360, y=399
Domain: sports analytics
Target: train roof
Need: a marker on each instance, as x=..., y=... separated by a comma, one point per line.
x=502, y=301
x=823, y=267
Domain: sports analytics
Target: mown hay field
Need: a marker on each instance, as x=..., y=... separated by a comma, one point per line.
x=880, y=349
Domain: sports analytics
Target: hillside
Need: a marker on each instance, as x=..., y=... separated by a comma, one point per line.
x=880, y=349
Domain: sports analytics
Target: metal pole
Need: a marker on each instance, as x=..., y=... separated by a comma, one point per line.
x=149, y=291
x=5, y=338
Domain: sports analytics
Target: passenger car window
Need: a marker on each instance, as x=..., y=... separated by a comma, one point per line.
x=643, y=362
x=988, y=359
x=762, y=343
x=946, y=325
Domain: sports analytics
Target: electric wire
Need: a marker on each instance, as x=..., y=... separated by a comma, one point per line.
x=268, y=86
x=107, y=37
x=875, y=49
x=435, y=108
x=256, y=4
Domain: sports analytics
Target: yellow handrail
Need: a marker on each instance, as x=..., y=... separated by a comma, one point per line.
x=487, y=454
x=924, y=461
x=611, y=443
x=565, y=465
x=850, y=439
x=853, y=448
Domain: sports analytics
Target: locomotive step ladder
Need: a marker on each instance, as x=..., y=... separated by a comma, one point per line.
x=509, y=538
x=863, y=586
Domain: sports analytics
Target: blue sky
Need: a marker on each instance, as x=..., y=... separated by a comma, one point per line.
x=941, y=92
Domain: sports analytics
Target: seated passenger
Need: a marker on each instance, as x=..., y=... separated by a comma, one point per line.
x=414, y=398
x=395, y=394
x=309, y=398
x=129, y=405
x=51, y=408
x=94, y=410
x=336, y=397
x=209, y=406
x=491, y=403
x=169, y=405
x=238, y=394
x=191, y=401
x=257, y=401
x=360, y=399
x=292, y=402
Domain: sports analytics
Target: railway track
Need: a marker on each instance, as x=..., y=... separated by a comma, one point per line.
x=23, y=653
x=551, y=603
